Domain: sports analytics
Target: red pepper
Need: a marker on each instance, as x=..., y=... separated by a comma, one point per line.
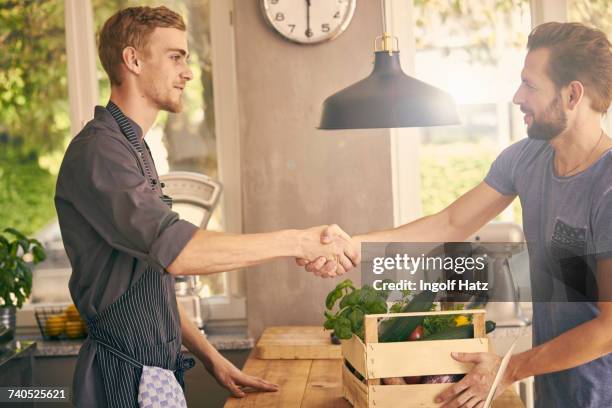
x=417, y=333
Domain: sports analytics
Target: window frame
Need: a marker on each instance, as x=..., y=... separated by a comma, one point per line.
x=405, y=164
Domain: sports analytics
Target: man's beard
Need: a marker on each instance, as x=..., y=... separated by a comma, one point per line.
x=164, y=101
x=170, y=106
x=553, y=122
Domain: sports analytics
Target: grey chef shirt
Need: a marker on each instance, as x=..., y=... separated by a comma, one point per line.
x=568, y=228
x=113, y=225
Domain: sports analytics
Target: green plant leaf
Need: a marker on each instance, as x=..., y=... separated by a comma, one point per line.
x=342, y=328
x=396, y=307
x=13, y=249
x=377, y=307
x=351, y=299
x=16, y=233
x=25, y=245
x=347, y=283
x=356, y=318
x=39, y=254
x=345, y=312
x=332, y=298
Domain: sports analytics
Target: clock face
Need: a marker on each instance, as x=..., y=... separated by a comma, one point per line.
x=308, y=21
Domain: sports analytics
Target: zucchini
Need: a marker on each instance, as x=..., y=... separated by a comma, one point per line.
x=461, y=332
x=399, y=328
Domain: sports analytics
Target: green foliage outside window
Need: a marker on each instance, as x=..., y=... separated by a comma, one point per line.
x=34, y=121
x=450, y=170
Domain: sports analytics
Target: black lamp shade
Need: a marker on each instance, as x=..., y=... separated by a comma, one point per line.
x=388, y=98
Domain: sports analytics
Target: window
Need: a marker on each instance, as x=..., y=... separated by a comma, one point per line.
x=34, y=122
x=34, y=130
x=597, y=13
x=34, y=102
x=474, y=50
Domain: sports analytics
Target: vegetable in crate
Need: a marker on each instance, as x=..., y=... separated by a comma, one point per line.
x=399, y=328
x=393, y=381
x=461, y=320
x=461, y=332
x=437, y=323
x=413, y=380
x=441, y=379
x=416, y=334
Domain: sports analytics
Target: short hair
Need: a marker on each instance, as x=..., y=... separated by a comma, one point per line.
x=131, y=26
x=577, y=53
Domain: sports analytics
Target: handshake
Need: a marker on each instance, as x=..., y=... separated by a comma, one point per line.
x=328, y=251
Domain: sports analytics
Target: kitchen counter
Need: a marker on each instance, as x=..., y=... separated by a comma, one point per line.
x=16, y=349
x=311, y=383
x=17, y=363
x=53, y=348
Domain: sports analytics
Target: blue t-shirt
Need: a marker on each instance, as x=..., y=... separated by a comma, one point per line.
x=568, y=227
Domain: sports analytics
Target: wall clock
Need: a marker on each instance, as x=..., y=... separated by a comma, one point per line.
x=308, y=21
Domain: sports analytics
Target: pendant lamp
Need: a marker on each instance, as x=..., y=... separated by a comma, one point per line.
x=388, y=98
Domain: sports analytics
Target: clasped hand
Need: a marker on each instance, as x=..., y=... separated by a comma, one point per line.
x=328, y=251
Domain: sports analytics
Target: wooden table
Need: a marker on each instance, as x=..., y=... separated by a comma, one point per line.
x=315, y=383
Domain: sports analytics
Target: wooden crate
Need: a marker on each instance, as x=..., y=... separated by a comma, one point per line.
x=374, y=361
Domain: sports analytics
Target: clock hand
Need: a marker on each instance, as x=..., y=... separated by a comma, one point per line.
x=308, y=30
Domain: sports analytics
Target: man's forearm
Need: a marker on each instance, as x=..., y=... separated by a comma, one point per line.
x=462, y=218
x=580, y=345
x=195, y=341
x=212, y=252
x=433, y=228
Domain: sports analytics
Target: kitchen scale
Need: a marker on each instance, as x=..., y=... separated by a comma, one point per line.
x=500, y=241
x=194, y=197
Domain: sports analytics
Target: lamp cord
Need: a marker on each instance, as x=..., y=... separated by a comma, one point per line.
x=384, y=15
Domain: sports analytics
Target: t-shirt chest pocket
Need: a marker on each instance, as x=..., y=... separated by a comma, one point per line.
x=569, y=237
x=569, y=254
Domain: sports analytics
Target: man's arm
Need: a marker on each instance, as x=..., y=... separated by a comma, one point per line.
x=211, y=252
x=226, y=374
x=575, y=347
x=463, y=217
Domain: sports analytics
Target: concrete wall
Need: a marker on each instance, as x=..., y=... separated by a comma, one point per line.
x=295, y=176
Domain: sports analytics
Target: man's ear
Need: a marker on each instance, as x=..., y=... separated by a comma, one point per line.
x=131, y=60
x=575, y=92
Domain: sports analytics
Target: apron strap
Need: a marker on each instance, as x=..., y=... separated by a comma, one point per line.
x=182, y=364
x=120, y=355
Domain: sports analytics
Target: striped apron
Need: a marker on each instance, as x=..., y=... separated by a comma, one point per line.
x=139, y=332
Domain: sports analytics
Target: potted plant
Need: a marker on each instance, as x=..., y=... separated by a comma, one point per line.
x=17, y=255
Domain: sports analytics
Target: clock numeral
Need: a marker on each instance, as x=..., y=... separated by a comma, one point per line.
x=292, y=27
x=325, y=27
x=279, y=17
x=337, y=15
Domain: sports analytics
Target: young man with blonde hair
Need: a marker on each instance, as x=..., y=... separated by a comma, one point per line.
x=126, y=245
